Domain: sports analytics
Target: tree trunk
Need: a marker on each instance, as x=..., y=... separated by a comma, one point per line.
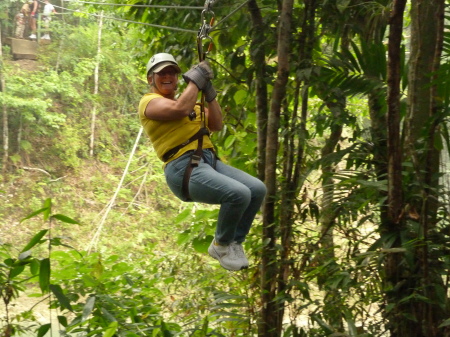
x=294, y=129
x=423, y=120
x=258, y=55
x=395, y=155
x=395, y=274
x=269, y=320
x=414, y=290
x=336, y=103
x=5, y=112
x=96, y=70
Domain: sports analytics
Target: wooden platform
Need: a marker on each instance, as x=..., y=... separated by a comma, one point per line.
x=24, y=49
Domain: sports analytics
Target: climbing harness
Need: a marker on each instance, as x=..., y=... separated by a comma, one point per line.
x=203, y=34
x=200, y=133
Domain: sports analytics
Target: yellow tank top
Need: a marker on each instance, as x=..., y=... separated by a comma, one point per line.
x=165, y=135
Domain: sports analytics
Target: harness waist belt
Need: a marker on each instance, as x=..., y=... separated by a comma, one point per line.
x=200, y=133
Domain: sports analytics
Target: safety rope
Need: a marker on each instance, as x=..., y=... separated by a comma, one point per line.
x=203, y=34
x=196, y=157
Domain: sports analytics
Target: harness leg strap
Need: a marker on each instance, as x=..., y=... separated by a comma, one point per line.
x=195, y=160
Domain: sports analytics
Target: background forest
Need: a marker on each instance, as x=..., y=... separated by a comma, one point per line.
x=341, y=107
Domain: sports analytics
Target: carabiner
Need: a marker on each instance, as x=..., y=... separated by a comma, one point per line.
x=206, y=27
x=208, y=5
x=203, y=33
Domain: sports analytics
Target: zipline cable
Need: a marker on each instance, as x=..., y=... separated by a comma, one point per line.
x=131, y=5
x=129, y=21
x=155, y=6
x=230, y=14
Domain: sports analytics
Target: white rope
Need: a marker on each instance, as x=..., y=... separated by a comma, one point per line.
x=96, y=236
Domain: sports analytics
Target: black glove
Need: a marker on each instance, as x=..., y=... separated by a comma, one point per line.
x=200, y=74
x=209, y=92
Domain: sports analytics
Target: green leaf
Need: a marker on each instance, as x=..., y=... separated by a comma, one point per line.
x=342, y=5
x=438, y=144
x=43, y=329
x=201, y=245
x=183, y=216
x=16, y=271
x=323, y=324
x=48, y=208
x=62, y=299
x=350, y=323
x=229, y=141
x=107, y=315
x=39, y=211
x=384, y=241
x=240, y=97
x=409, y=317
x=44, y=275
x=63, y=321
x=445, y=323
x=9, y=262
x=65, y=219
x=35, y=240
x=111, y=330
x=205, y=325
x=97, y=270
x=34, y=267
x=183, y=237
x=88, y=308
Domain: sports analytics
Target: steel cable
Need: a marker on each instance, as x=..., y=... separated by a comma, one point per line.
x=130, y=21
x=150, y=6
x=131, y=5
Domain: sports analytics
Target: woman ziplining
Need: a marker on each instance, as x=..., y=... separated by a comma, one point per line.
x=179, y=130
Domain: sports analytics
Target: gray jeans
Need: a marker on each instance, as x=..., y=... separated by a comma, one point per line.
x=239, y=194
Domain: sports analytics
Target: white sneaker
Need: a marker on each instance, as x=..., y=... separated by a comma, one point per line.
x=46, y=37
x=239, y=251
x=229, y=257
x=32, y=36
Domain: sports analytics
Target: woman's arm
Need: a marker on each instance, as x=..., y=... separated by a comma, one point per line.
x=214, y=113
x=35, y=5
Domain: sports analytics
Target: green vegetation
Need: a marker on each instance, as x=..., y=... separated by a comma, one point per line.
x=142, y=270
x=341, y=107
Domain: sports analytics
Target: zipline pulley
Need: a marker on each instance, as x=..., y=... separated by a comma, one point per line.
x=203, y=33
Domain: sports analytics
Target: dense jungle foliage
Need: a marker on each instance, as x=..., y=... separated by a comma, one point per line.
x=341, y=107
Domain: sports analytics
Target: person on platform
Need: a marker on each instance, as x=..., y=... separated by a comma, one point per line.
x=179, y=129
x=49, y=9
x=20, y=25
x=33, y=19
x=25, y=11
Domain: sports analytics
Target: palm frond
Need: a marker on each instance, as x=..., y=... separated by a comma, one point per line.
x=359, y=71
